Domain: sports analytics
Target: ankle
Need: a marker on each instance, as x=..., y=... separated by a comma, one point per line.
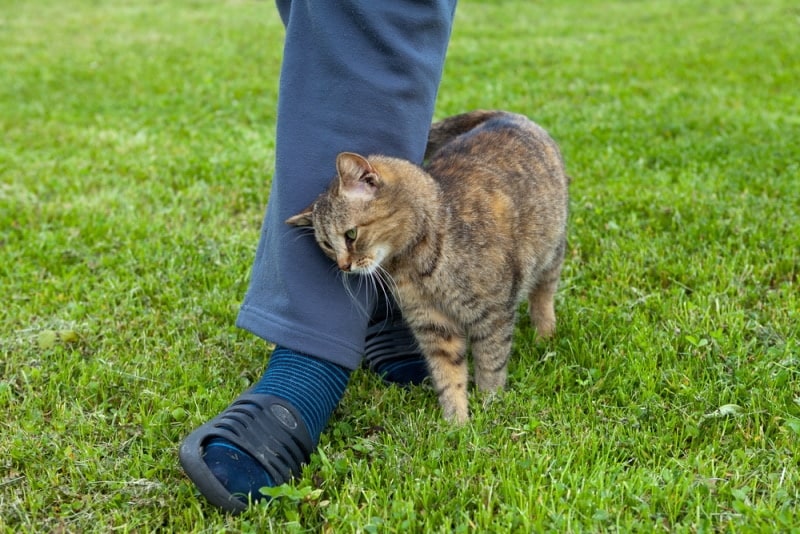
x=312, y=385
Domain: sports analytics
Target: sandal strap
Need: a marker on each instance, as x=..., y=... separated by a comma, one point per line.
x=388, y=342
x=270, y=430
x=388, y=337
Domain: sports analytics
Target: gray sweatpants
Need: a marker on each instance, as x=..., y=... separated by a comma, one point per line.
x=359, y=76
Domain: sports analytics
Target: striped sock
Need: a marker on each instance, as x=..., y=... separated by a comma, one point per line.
x=314, y=387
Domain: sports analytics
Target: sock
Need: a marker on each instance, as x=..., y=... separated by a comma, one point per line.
x=313, y=386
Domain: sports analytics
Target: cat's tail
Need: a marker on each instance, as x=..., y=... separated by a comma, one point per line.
x=447, y=129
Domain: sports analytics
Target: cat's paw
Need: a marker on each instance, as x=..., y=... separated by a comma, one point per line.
x=545, y=328
x=457, y=419
x=457, y=414
x=488, y=398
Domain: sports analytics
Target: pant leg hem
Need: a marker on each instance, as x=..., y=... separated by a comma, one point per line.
x=298, y=338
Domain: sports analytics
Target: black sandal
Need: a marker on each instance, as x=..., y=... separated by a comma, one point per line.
x=390, y=341
x=266, y=427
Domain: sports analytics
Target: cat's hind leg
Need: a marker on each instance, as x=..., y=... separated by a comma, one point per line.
x=491, y=348
x=541, y=305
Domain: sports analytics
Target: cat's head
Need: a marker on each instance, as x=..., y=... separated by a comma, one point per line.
x=355, y=221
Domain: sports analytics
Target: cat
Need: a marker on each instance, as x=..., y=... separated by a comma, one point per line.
x=460, y=241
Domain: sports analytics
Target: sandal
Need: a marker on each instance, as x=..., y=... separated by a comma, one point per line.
x=390, y=342
x=266, y=427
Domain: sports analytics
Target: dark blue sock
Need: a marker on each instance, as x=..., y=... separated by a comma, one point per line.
x=314, y=387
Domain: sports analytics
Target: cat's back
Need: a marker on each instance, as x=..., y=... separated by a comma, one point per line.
x=504, y=207
x=496, y=151
x=500, y=165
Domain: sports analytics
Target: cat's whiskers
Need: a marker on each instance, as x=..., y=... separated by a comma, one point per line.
x=385, y=280
x=335, y=270
x=378, y=281
x=304, y=232
x=298, y=232
x=360, y=281
x=353, y=294
x=376, y=286
x=380, y=286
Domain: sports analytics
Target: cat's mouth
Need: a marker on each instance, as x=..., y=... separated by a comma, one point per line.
x=366, y=265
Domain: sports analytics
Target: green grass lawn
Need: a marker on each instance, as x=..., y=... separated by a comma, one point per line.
x=136, y=148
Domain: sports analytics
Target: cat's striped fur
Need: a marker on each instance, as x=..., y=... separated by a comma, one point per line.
x=464, y=240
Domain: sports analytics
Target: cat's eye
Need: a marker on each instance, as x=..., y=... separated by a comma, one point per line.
x=351, y=234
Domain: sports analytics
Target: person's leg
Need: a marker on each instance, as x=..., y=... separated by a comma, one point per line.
x=357, y=75
x=360, y=76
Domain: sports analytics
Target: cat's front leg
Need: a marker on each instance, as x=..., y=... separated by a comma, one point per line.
x=444, y=345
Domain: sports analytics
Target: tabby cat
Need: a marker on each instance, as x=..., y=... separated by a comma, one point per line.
x=462, y=240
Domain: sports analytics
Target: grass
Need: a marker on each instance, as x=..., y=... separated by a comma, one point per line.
x=136, y=152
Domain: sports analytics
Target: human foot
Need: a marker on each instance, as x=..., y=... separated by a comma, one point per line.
x=267, y=434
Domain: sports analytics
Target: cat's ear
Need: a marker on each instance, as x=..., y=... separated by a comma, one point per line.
x=357, y=178
x=304, y=218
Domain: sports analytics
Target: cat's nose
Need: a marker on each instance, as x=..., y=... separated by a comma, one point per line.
x=345, y=266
